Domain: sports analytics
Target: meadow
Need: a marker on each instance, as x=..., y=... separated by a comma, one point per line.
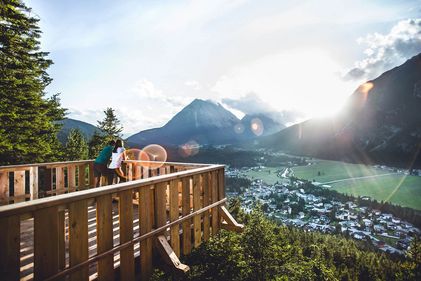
x=268, y=175
x=380, y=184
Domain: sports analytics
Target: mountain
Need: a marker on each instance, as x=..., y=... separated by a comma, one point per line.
x=206, y=123
x=68, y=124
x=260, y=125
x=381, y=123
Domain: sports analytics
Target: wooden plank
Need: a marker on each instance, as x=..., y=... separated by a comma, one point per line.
x=160, y=204
x=125, y=210
x=185, y=211
x=33, y=182
x=19, y=186
x=137, y=172
x=91, y=175
x=221, y=184
x=78, y=238
x=214, y=191
x=4, y=186
x=197, y=233
x=145, y=172
x=9, y=247
x=145, y=221
x=46, y=237
x=104, y=235
x=61, y=240
x=206, y=201
x=82, y=176
x=174, y=215
x=60, y=180
x=129, y=173
x=71, y=178
x=230, y=222
x=169, y=256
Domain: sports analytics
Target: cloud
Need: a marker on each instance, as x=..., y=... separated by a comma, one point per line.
x=195, y=85
x=386, y=51
x=251, y=104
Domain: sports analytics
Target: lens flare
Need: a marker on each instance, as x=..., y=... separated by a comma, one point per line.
x=256, y=126
x=239, y=128
x=364, y=90
x=157, y=156
x=137, y=154
x=190, y=148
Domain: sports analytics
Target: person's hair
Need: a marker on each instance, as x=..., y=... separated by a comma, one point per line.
x=118, y=143
x=111, y=142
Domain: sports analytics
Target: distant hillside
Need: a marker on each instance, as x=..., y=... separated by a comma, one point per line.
x=380, y=124
x=260, y=123
x=68, y=124
x=204, y=122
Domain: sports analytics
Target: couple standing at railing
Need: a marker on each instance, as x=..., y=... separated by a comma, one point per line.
x=116, y=152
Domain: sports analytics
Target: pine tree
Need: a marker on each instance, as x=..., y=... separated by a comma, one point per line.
x=27, y=119
x=76, y=146
x=97, y=142
x=110, y=125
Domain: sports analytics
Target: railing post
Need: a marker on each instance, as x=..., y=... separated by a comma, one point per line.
x=104, y=236
x=196, y=206
x=33, y=182
x=10, y=248
x=125, y=214
x=4, y=187
x=46, y=243
x=145, y=224
x=185, y=211
x=174, y=214
x=206, y=202
x=19, y=186
x=91, y=174
x=82, y=176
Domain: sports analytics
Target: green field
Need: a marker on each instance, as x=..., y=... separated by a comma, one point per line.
x=268, y=175
x=395, y=188
x=334, y=170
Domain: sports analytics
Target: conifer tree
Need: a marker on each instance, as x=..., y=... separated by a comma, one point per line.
x=110, y=125
x=76, y=146
x=27, y=119
x=97, y=142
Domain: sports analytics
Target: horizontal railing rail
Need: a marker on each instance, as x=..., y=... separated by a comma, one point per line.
x=92, y=232
x=20, y=183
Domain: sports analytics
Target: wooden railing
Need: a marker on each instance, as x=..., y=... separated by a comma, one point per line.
x=19, y=183
x=112, y=231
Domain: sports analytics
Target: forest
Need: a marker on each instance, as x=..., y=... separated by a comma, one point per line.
x=267, y=251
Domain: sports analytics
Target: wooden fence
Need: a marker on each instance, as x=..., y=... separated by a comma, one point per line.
x=112, y=231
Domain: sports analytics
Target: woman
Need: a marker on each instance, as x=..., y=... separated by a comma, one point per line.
x=117, y=156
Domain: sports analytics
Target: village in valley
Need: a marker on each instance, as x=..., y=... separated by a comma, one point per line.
x=292, y=202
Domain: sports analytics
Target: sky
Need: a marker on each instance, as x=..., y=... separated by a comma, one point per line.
x=149, y=59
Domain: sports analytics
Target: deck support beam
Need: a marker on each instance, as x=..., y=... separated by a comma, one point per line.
x=169, y=257
x=229, y=222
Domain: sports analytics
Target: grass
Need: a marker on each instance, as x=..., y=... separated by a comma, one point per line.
x=268, y=175
x=397, y=189
x=334, y=170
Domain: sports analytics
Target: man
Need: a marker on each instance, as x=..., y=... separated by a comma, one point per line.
x=100, y=163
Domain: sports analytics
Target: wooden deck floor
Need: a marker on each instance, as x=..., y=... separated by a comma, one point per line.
x=27, y=241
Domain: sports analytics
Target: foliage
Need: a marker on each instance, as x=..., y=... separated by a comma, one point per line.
x=76, y=147
x=96, y=144
x=110, y=125
x=265, y=251
x=27, y=119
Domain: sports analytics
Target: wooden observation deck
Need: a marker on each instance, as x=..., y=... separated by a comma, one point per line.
x=54, y=225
